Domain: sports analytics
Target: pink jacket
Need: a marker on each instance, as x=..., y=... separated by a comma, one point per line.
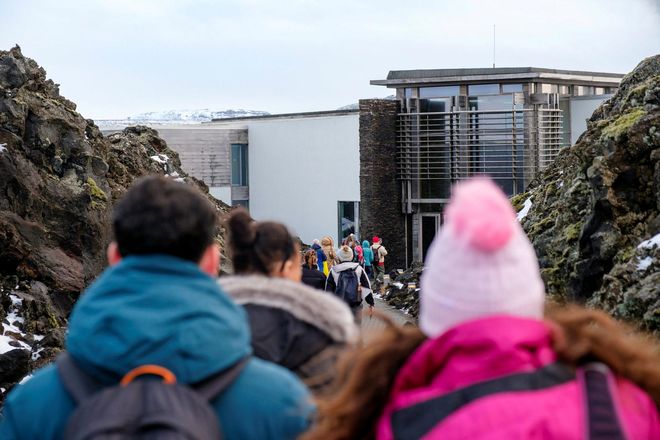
x=491, y=348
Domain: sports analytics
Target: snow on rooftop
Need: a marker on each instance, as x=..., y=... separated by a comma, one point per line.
x=525, y=210
x=650, y=243
x=3, y=147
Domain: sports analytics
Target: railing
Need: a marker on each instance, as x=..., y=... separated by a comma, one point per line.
x=511, y=145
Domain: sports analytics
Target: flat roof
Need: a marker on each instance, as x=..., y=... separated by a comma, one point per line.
x=287, y=116
x=440, y=76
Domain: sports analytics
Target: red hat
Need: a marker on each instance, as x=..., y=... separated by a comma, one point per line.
x=376, y=239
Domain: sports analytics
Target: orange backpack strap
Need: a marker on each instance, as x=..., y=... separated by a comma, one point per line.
x=155, y=370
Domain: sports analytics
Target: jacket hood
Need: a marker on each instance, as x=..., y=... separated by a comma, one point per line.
x=365, y=244
x=346, y=265
x=316, y=246
x=161, y=310
x=309, y=305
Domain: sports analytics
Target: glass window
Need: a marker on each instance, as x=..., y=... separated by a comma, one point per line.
x=407, y=92
x=244, y=203
x=239, y=165
x=564, y=90
x=599, y=91
x=484, y=89
x=512, y=88
x=438, y=92
x=347, y=218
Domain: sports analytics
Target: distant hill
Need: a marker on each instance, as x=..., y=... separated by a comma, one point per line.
x=181, y=116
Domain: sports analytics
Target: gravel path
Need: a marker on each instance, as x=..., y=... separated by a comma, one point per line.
x=372, y=324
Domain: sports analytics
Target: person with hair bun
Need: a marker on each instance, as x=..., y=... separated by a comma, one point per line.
x=292, y=324
x=485, y=362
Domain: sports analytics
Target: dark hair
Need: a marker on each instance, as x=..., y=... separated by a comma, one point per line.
x=256, y=247
x=161, y=216
x=366, y=375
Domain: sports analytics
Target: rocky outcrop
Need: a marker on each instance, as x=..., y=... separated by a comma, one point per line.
x=593, y=210
x=59, y=178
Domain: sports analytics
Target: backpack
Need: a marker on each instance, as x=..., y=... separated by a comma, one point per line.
x=143, y=409
x=348, y=287
x=376, y=254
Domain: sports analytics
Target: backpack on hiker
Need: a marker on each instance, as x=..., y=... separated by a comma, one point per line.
x=376, y=254
x=348, y=287
x=143, y=408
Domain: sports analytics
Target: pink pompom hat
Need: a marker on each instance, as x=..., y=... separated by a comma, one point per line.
x=480, y=263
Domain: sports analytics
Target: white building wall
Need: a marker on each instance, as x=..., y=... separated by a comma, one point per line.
x=582, y=107
x=300, y=168
x=222, y=193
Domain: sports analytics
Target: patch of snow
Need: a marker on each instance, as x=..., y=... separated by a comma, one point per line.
x=12, y=318
x=25, y=379
x=160, y=158
x=398, y=285
x=650, y=243
x=644, y=263
x=5, y=346
x=37, y=354
x=3, y=148
x=3, y=390
x=406, y=311
x=180, y=179
x=560, y=184
x=38, y=337
x=525, y=210
x=174, y=174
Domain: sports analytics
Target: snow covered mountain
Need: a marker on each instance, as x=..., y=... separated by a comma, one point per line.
x=180, y=117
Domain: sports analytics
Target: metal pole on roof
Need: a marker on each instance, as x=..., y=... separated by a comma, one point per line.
x=493, y=46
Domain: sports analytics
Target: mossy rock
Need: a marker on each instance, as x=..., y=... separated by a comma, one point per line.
x=98, y=197
x=572, y=232
x=623, y=123
x=518, y=201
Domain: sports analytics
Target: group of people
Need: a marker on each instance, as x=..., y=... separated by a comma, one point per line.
x=260, y=355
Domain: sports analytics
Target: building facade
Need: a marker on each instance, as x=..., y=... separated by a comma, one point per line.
x=451, y=124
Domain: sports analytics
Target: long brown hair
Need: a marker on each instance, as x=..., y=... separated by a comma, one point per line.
x=366, y=375
x=361, y=388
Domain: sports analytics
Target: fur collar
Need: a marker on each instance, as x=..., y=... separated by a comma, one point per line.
x=312, y=306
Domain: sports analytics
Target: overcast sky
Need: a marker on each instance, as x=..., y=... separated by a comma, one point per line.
x=115, y=58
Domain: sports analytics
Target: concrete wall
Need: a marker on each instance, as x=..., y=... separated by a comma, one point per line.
x=300, y=168
x=581, y=108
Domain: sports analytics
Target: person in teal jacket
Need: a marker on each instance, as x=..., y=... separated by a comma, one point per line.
x=154, y=308
x=368, y=258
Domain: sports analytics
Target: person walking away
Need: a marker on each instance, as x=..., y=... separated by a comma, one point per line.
x=291, y=323
x=320, y=256
x=368, y=256
x=484, y=364
x=328, y=246
x=350, y=282
x=379, y=252
x=311, y=275
x=158, y=303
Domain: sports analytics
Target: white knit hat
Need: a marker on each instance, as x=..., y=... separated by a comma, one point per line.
x=480, y=263
x=345, y=254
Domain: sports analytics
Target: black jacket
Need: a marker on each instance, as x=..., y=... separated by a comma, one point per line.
x=313, y=277
x=294, y=325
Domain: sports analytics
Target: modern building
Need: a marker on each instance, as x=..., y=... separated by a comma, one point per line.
x=386, y=168
x=450, y=124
